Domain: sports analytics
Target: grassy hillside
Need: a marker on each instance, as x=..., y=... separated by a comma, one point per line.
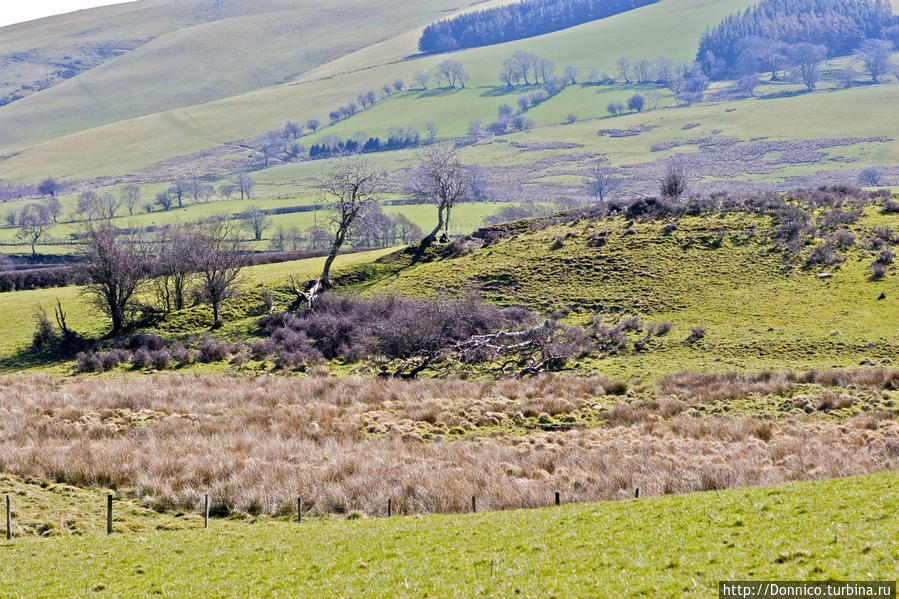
x=677, y=546
x=186, y=53
x=121, y=147
x=722, y=272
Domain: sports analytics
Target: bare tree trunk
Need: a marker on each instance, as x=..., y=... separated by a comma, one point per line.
x=216, y=318
x=440, y=224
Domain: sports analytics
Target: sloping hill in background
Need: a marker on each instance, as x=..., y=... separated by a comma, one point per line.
x=157, y=55
x=123, y=147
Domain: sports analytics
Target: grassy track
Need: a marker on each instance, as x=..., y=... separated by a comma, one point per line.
x=674, y=546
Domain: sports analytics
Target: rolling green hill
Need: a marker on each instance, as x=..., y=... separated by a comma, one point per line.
x=123, y=147
x=185, y=53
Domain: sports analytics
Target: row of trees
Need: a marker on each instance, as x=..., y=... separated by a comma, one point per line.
x=178, y=263
x=517, y=21
x=760, y=33
x=397, y=138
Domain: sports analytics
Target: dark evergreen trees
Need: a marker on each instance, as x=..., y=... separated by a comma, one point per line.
x=517, y=21
x=840, y=26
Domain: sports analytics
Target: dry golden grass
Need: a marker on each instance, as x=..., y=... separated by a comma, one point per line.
x=343, y=444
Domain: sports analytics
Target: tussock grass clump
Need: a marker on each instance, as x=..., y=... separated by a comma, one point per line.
x=349, y=444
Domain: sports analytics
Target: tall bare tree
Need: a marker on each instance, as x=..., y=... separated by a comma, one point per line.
x=53, y=206
x=256, y=221
x=875, y=54
x=219, y=257
x=114, y=267
x=350, y=187
x=34, y=221
x=107, y=206
x=441, y=179
x=601, y=180
x=174, y=266
x=130, y=197
x=245, y=185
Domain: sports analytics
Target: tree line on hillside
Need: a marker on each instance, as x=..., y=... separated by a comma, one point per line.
x=764, y=36
x=517, y=21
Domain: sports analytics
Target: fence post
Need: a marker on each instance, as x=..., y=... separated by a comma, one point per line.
x=8, y=520
x=474, y=505
x=637, y=492
x=206, y=510
x=558, y=499
x=109, y=514
x=389, y=508
x=299, y=509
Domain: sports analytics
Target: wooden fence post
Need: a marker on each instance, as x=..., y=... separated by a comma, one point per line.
x=109, y=514
x=299, y=509
x=558, y=499
x=8, y=520
x=474, y=505
x=389, y=508
x=637, y=492
x=206, y=510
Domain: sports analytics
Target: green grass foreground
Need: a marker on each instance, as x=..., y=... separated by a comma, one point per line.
x=661, y=547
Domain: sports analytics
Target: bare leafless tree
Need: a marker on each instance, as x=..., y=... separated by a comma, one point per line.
x=350, y=187
x=601, y=180
x=34, y=221
x=226, y=190
x=53, y=206
x=107, y=206
x=256, y=221
x=441, y=179
x=219, y=258
x=174, y=266
x=130, y=197
x=114, y=268
x=674, y=182
x=245, y=185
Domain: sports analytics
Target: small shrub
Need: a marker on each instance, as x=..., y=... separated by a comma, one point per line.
x=142, y=358
x=825, y=255
x=697, y=333
x=843, y=240
x=884, y=234
x=160, y=359
x=113, y=358
x=632, y=324
x=669, y=228
x=878, y=270
x=145, y=341
x=886, y=257
x=45, y=335
x=659, y=329
x=212, y=350
x=181, y=354
x=88, y=362
x=262, y=348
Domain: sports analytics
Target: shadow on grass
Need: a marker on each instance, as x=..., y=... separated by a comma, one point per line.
x=786, y=94
x=439, y=92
